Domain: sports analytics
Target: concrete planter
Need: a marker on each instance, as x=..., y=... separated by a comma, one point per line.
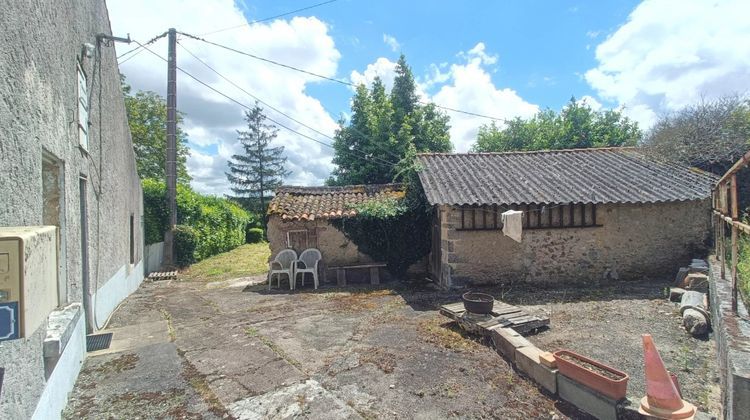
x=606, y=385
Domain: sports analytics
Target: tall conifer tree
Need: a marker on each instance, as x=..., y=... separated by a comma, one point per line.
x=255, y=173
x=385, y=128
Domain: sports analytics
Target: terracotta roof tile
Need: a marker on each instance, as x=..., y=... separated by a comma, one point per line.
x=310, y=203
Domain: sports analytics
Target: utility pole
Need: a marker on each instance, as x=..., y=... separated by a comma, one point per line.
x=171, y=158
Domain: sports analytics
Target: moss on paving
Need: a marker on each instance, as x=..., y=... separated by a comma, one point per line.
x=245, y=260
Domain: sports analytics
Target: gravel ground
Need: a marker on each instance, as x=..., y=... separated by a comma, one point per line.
x=605, y=323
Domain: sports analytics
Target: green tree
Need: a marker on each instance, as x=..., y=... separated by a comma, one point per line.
x=710, y=135
x=576, y=126
x=258, y=171
x=147, y=118
x=383, y=128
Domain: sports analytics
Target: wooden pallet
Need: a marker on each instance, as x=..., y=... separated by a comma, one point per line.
x=162, y=275
x=503, y=315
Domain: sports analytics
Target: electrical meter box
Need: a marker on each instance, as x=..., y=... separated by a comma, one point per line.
x=28, y=279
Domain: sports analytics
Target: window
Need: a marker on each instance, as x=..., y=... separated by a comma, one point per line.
x=297, y=240
x=83, y=110
x=482, y=217
x=536, y=216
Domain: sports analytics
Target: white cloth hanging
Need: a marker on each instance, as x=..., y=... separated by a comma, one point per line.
x=513, y=224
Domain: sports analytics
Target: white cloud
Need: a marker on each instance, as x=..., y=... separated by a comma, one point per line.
x=382, y=67
x=466, y=85
x=211, y=120
x=671, y=53
x=591, y=102
x=392, y=42
x=470, y=88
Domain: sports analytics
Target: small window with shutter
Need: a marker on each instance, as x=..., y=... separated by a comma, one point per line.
x=83, y=110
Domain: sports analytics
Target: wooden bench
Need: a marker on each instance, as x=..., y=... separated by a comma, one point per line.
x=373, y=267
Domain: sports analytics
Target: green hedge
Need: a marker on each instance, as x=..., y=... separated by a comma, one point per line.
x=219, y=225
x=185, y=242
x=254, y=235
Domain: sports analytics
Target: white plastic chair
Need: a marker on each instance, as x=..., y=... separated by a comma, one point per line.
x=308, y=263
x=283, y=264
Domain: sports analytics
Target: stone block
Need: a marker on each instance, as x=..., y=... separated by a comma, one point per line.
x=675, y=294
x=681, y=274
x=506, y=342
x=528, y=361
x=696, y=281
x=548, y=359
x=586, y=399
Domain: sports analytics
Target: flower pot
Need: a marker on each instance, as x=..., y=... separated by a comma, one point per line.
x=478, y=303
x=597, y=376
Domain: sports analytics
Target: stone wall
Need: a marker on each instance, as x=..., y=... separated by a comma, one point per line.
x=334, y=246
x=732, y=332
x=41, y=43
x=634, y=241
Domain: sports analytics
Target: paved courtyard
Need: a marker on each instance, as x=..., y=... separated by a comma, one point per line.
x=234, y=349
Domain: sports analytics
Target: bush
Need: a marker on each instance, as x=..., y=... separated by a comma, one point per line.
x=155, y=214
x=185, y=241
x=219, y=224
x=253, y=235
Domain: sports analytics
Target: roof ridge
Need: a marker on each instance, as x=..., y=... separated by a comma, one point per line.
x=323, y=189
x=528, y=152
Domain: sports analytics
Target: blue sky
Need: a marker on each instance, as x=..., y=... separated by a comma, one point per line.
x=506, y=59
x=544, y=47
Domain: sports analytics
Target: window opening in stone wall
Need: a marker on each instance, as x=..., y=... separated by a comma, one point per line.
x=297, y=240
x=536, y=216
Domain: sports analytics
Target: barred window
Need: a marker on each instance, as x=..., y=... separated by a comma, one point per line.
x=535, y=216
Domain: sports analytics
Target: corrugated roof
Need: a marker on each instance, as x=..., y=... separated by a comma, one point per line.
x=604, y=175
x=310, y=203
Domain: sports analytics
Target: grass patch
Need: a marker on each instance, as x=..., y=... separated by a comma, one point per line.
x=358, y=300
x=447, y=335
x=168, y=317
x=199, y=383
x=245, y=260
x=379, y=357
x=743, y=268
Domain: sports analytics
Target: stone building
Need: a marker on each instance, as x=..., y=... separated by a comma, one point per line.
x=589, y=215
x=66, y=160
x=300, y=218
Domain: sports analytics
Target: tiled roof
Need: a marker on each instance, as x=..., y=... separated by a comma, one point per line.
x=310, y=203
x=605, y=175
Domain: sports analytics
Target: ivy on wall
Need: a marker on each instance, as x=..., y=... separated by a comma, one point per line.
x=394, y=229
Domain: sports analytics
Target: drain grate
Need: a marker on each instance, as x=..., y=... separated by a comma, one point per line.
x=96, y=342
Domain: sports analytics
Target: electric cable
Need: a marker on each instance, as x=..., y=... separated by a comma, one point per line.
x=331, y=79
x=278, y=110
x=363, y=155
x=269, y=18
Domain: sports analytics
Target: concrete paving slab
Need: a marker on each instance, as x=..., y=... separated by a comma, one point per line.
x=128, y=338
x=298, y=400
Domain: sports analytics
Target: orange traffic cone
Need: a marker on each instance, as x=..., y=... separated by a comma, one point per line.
x=662, y=398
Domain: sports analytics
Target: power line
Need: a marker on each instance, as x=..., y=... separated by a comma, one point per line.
x=331, y=79
x=278, y=110
x=270, y=18
x=139, y=47
x=363, y=155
